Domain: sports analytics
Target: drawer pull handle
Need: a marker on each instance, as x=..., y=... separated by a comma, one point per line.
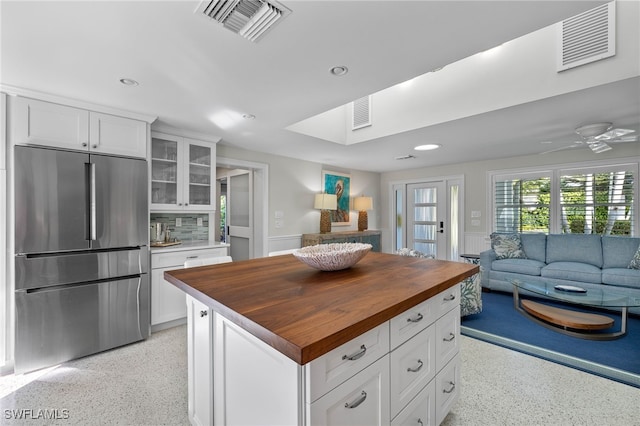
x=192, y=257
x=417, y=318
x=357, y=402
x=450, y=297
x=453, y=386
x=415, y=370
x=203, y=314
x=450, y=338
x=357, y=355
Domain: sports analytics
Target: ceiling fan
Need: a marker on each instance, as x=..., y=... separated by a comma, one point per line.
x=598, y=136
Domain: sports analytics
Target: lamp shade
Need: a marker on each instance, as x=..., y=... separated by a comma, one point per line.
x=326, y=202
x=363, y=203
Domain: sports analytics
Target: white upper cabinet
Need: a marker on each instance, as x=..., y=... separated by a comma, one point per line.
x=38, y=122
x=182, y=173
x=117, y=135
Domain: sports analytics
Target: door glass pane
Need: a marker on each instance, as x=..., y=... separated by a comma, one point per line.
x=199, y=175
x=425, y=195
x=426, y=248
x=399, y=224
x=239, y=191
x=425, y=213
x=424, y=232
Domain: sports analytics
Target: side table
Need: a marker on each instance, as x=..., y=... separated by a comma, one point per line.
x=471, y=289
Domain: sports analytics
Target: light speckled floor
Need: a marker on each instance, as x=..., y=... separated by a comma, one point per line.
x=145, y=384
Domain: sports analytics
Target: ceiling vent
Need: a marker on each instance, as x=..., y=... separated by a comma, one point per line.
x=587, y=37
x=361, y=113
x=249, y=18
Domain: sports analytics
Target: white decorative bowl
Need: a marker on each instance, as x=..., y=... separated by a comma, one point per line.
x=332, y=257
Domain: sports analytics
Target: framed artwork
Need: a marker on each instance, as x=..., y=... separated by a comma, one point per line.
x=339, y=184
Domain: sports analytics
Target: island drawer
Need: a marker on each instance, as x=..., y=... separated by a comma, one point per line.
x=412, y=321
x=177, y=258
x=345, y=361
x=447, y=388
x=447, y=300
x=361, y=400
x=421, y=410
x=447, y=338
x=413, y=366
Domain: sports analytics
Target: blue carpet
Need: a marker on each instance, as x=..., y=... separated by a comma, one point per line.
x=501, y=324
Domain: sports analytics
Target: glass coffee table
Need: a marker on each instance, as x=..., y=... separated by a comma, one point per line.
x=567, y=321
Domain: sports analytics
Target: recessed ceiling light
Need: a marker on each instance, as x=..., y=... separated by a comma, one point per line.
x=339, y=70
x=427, y=147
x=128, y=82
x=248, y=116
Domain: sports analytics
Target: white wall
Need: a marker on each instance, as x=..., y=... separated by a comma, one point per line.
x=475, y=175
x=292, y=187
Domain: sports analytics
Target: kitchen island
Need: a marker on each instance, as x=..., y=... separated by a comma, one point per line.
x=287, y=344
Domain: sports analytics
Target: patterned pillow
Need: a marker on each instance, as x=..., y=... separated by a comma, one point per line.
x=635, y=261
x=507, y=246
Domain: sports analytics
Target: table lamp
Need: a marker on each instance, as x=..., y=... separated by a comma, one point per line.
x=325, y=202
x=362, y=204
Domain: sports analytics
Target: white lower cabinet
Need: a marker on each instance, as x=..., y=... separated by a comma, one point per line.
x=167, y=300
x=367, y=381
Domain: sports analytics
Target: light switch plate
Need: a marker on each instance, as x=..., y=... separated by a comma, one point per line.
x=178, y=221
x=279, y=224
x=475, y=222
x=279, y=214
x=475, y=213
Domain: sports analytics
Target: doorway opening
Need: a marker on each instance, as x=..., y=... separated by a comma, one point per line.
x=241, y=212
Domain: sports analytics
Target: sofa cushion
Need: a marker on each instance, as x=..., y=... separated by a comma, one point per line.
x=635, y=260
x=507, y=246
x=573, y=271
x=621, y=276
x=518, y=266
x=617, y=252
x=581, y=248
x=534, y=246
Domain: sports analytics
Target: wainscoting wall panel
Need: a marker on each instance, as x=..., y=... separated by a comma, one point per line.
x=476, y=242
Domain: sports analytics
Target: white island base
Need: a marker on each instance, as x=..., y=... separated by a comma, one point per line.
x=406, y=371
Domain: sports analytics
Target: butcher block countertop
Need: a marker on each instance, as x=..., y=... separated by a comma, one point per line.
x=304, y=313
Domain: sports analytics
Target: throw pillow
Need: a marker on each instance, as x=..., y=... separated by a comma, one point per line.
x=507, y=246
x=635, y=261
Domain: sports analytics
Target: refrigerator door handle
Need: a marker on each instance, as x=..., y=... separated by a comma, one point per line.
x=91, y=201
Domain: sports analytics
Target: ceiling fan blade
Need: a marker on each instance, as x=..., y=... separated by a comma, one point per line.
x=624, y=139
x=599, y=147
x=613, y=134
x=575, y=145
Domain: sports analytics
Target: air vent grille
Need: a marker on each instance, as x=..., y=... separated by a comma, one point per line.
x=249, y=18
x=587, y=37
x=361, y=113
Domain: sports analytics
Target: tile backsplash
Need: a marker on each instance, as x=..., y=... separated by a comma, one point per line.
x=189, y=231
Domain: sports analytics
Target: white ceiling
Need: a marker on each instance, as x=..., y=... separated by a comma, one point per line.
x=192, y=71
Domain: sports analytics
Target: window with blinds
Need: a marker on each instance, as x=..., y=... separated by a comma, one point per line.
x=580, y=199
x=597, y=203
x=522, y=205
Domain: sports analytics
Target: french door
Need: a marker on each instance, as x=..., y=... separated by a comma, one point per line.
x=426, y=221
x=428, y=217
x=239, y=215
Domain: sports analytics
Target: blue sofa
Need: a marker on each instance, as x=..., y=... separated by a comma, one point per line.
x=584, y=260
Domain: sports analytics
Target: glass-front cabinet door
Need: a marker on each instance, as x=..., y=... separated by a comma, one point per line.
x=182, y=172
x=200, y=173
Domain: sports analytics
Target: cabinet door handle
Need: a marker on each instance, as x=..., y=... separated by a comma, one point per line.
x=84, y=144
x=450, y=297
x=203, y=314
x=356, y=355
x=453, y=386
x=192, y=257
x=420, y=422
x=417, y=318
x=357, y=402
x=416, y=369
x=450, y=338
x=94, y=146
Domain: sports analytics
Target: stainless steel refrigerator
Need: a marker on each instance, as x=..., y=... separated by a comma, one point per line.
x=81, y=255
